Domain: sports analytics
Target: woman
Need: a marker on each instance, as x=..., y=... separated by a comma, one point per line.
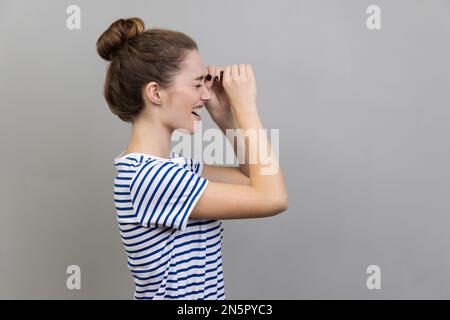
x=168, y=205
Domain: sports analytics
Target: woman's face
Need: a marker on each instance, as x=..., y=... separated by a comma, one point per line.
x=187, y=94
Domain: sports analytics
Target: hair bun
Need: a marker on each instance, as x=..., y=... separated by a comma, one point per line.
x=117, y=35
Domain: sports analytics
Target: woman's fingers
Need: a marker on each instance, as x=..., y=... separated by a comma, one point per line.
x=211, y=71
x=241, y=69
x=249, y=70
x=217, y=77
x=251, y=76
x=240, y=86
x=226, y=73
x=216, y=73
x=234, y=71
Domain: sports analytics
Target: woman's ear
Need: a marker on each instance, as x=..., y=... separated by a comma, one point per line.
x=152, y=92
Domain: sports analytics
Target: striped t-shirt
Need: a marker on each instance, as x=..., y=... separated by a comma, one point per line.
x=170, y=256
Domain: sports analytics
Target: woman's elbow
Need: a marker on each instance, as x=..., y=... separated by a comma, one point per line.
x=283, y=204
x=280, y=204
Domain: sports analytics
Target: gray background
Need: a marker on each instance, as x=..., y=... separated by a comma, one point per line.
x=364, y=125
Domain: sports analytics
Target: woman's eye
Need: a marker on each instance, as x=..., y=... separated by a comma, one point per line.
x=198, y=86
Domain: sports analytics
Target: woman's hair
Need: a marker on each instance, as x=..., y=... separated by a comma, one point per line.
x=137, y=57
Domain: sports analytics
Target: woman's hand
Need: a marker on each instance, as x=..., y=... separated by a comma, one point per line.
x=218, y=106
x=240, y=87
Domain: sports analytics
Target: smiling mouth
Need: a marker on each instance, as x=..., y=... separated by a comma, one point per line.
x=197, y=114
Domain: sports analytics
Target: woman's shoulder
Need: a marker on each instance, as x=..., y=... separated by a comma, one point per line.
x=137, y=159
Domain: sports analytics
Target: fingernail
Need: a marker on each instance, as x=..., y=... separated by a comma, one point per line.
x=208, y=77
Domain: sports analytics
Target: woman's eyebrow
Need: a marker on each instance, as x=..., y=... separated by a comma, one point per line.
x=200, y=77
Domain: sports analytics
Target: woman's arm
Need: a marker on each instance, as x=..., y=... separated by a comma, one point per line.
x=219, y=109
x=224, y=174
x=229, y=174
x=266, y=194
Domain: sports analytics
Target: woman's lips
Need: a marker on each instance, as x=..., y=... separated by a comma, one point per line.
x=197, y=116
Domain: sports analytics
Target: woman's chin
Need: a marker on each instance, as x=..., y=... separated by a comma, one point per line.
x=193, y=128
x=189, y=131
x=186, y=130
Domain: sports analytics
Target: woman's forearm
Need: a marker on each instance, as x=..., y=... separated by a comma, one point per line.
x=239, y=148
x=269, y=181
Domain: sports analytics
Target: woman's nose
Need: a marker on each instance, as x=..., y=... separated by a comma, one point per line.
x=206, y=95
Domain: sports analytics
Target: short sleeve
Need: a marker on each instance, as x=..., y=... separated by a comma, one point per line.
x=164, y=193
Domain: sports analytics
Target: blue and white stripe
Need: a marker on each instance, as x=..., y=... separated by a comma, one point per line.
x=169, y=255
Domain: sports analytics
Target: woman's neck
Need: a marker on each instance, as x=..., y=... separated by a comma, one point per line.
x=150, y=137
